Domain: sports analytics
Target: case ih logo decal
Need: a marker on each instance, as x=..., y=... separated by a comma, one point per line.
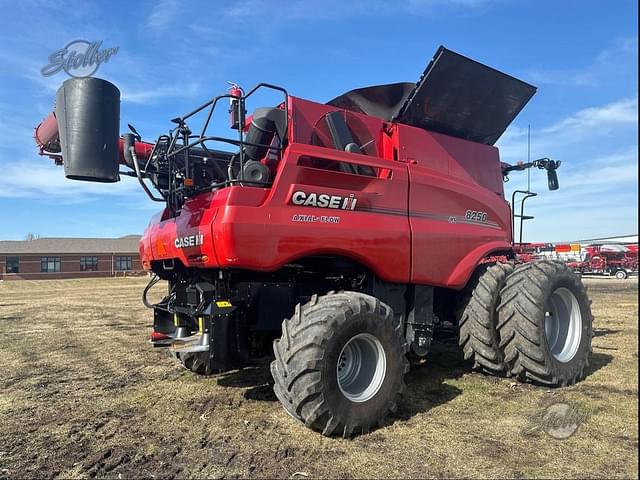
x=324, y=200
x=189, y=241
x=478, y=218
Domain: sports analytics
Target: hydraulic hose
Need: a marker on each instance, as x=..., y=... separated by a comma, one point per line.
x=155, y=279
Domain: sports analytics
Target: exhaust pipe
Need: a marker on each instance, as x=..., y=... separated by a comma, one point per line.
x=88, y=116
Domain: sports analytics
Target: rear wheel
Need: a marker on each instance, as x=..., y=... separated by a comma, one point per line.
x=478, y=319
x=340, y=363
x=621, y=274
x=545, y=324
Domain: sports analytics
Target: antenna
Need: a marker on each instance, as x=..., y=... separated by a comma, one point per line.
x=529, y=157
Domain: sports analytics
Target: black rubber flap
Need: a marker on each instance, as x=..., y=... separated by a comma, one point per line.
x=88, y=113
x=460, y=97
x=382, y=101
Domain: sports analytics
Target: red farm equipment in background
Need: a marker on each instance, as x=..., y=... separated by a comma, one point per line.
x=618, y=260
x=614, y=259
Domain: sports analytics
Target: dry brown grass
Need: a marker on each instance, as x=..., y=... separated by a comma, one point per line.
x=83, y=395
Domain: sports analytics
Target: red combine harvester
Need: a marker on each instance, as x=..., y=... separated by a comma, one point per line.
x=365, y=223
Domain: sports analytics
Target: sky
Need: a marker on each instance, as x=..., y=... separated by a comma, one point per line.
x=173, y=56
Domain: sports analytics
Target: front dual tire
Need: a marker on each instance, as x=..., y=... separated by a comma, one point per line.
x=545, y=324
x=532, y=322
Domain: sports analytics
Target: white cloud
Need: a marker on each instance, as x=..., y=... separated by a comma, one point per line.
x=420, y=7
x=621, y=112
x=567, y=78
x=584, y=125
x=615, y=59
x=336, y=9
x=141, y=95
x=163, y=14
x=134, y=75
x=41, y=179
x=606, y=173
x=598, y=193
x=624, y=46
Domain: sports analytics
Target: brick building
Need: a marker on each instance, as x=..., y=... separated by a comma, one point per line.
x=48, y=258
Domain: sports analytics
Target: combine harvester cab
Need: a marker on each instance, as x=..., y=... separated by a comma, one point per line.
x=365, y=223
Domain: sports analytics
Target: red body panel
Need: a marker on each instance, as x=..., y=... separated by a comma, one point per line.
x=433, y=211
x=449, y=177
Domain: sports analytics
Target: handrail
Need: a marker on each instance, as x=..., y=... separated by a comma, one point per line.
x=527, y=194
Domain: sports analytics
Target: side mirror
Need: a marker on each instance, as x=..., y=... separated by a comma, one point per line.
x=552, y=179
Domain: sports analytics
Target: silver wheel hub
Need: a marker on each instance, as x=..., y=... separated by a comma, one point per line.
x=563, y=324
x=361, y=368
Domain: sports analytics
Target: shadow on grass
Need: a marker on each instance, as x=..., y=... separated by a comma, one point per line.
x=601, y=332
x=596, y=362
x=426, y=387
x=256, y=378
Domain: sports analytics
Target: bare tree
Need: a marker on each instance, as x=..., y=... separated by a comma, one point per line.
x=31, y=236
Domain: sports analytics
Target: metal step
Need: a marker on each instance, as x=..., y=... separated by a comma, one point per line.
x=180, y=332
x=192, y=344
x=161, y=343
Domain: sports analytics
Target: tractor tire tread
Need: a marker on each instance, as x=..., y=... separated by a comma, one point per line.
x=521, y=324
x=298, y=363
x=477, y=324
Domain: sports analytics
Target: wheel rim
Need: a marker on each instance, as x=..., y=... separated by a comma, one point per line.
x=620, y=274
x=563, y=324
x=361, y=368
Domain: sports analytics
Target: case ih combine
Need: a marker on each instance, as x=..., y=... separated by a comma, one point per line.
x=364, y=223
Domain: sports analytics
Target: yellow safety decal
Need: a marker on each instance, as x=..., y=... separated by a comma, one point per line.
x=175, y=319
x=223, y=304
x=200, y=324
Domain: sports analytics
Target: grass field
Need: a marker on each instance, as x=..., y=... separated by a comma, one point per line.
x=83, y=395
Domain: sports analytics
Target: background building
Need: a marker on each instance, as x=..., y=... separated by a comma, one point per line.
x=45, y=258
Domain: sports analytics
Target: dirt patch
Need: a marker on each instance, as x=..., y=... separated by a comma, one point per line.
x=82, y=395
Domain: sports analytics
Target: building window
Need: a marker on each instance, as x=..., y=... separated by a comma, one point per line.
x=123, y=263
x=13, y=264
x=50, y=264
x=88, y=264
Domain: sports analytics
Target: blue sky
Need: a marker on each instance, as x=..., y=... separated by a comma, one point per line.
x=582, y=56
